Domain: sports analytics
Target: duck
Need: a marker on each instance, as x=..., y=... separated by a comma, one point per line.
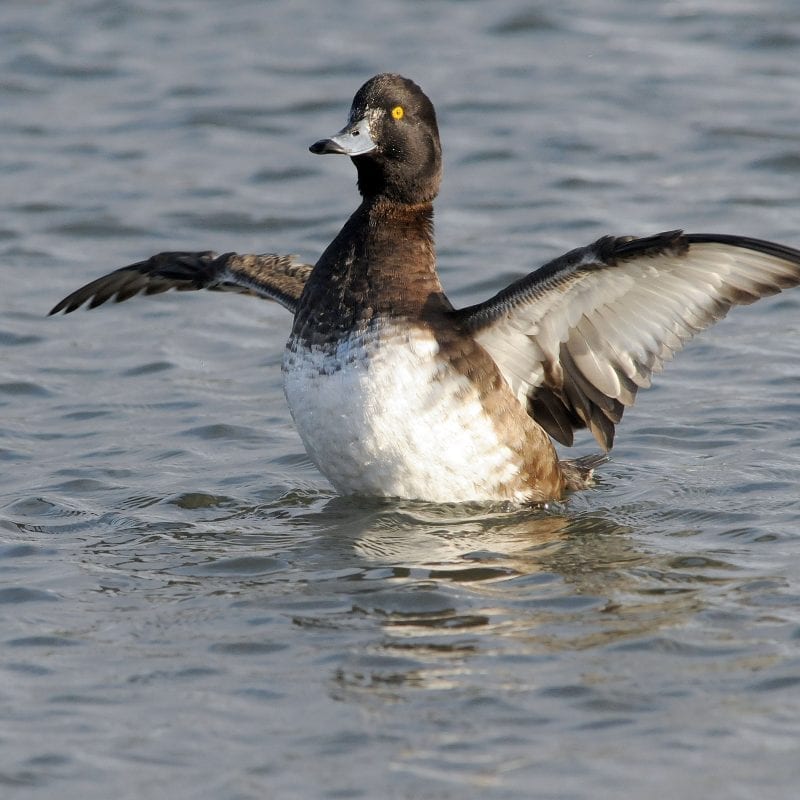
x=396, y=393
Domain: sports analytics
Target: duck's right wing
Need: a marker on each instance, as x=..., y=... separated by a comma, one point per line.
x=579, y=337
x=278, y=278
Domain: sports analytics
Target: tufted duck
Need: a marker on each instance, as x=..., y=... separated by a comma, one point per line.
x=396, y=393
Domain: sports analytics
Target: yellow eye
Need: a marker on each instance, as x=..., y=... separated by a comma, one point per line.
x=397, y=112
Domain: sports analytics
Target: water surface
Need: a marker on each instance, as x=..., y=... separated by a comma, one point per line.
x=187, y=608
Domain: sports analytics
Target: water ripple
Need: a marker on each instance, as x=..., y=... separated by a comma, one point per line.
x=188, y=604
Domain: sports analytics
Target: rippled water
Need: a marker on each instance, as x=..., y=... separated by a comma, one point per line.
x=187, y=608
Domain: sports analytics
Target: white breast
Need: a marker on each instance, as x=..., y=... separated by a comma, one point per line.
x=382, y=415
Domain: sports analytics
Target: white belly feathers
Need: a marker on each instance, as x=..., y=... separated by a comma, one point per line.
x=381, y=414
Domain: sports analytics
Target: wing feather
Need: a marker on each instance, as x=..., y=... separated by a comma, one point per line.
x=579, y=337
x=276, y=277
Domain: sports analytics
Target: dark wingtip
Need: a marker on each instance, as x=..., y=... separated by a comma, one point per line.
x=58, y=307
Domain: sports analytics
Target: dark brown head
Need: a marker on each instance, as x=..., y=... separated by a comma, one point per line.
x=393, y=140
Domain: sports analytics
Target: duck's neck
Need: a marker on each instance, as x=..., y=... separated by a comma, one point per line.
x=382, y=263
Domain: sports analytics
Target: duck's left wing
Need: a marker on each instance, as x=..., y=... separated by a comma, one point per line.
x=577, y=338
x=279, y=278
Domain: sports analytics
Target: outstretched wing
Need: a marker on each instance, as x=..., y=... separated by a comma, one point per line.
x=279, y=278
x=579, y=337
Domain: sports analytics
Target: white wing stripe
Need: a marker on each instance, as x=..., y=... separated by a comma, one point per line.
x=598, y=325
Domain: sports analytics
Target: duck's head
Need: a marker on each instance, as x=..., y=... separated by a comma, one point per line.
x=392, y=138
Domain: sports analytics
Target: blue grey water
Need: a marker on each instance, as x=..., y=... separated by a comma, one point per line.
x=187, y=610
